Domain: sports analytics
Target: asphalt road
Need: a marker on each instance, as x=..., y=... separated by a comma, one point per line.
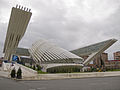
x=106, y=83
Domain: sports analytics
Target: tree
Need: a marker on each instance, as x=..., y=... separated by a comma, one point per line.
x=31, y=63
x=19, y=73
x=34, y=67
x=13, y=73
x=38, y=67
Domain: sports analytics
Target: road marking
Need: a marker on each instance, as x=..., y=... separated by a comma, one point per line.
x=103, y=83
x=32, y=89
x=42, y=88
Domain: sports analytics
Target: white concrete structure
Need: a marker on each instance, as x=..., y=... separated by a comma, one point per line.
x=18, y=23
x=26, y=72
x=73, y=75
x=50, y=65
x=93, y=50
x=49, y=55
x=43, y=51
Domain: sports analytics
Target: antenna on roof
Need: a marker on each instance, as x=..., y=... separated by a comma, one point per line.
x=16, y=5
x=29, y=10
x=19, y=6
x=22, y=7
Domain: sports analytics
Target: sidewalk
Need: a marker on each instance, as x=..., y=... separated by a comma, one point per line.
x=4, y=74
x=72, y=75
x=64, y=75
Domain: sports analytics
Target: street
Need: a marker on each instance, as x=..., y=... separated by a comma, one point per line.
x=106, y=83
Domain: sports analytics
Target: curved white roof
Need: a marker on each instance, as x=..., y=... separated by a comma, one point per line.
x=44, y=51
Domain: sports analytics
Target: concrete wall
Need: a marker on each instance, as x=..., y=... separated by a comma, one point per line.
x=18, y=23
x=26, y=72
x=73, y=75
x=46, y=66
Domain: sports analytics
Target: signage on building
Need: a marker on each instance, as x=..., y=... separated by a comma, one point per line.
x=15, y=58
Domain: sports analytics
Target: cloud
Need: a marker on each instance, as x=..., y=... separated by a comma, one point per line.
x=68, y=23
x=92, y=10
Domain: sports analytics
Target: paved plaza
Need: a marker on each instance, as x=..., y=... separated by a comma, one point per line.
x=106, y=83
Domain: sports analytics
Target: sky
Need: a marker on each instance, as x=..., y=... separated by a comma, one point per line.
x=70, y=24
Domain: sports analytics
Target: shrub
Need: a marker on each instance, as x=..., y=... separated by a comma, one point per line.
x=38, y=67
x=34, y=67
x=13, y=73
x=19, y=73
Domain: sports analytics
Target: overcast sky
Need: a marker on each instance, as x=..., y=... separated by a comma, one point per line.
x=70, y=24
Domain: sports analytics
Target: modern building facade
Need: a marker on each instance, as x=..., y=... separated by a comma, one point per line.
x=92, y=51
x=117, y=55
x=112, y=64
x=100, y=59
x=18, y=23
x=50, y=55
x=43, y=51
x=97, y=61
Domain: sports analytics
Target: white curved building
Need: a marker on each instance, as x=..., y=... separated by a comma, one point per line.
x=43, y=51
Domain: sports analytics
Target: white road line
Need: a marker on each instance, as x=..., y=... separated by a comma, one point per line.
x=42, y=88
x=32, y=89
x=103, y=83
